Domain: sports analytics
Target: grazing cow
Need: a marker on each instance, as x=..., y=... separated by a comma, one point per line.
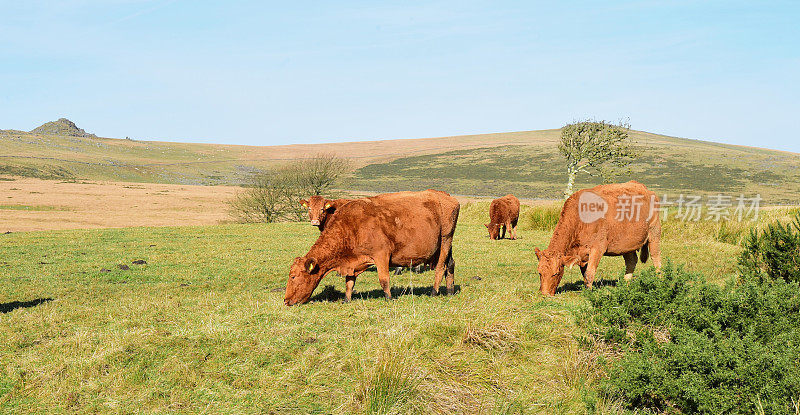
x=320, y=209
x=503, y=216
x=393, y=229
x=607, y=220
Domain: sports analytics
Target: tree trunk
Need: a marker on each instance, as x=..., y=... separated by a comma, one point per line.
x=570, y=182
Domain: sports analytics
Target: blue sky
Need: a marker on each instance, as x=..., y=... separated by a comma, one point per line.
x=262, y=73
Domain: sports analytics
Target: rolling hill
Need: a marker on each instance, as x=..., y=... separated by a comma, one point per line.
x=526, y=163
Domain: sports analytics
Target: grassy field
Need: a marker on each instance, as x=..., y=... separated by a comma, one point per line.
x=201, y=327
x=525, y=163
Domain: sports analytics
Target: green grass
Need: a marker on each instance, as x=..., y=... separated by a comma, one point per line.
x=202, y=326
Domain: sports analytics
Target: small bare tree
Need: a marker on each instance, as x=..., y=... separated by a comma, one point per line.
x=274, y=195
x=598, y=148
x=267, y=198
x=316, y=175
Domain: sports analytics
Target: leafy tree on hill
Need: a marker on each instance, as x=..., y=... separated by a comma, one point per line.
x=598, y=148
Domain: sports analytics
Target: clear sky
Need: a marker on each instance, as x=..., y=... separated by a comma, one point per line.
x=262, y=73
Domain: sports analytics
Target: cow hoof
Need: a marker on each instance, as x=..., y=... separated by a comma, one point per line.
x=451, y=291
x=434, y=293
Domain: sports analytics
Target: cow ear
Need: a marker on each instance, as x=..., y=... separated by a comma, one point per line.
x=570, y=261
x=538, y=253
x=328, y=205
x=304, y=202
x=311, y=265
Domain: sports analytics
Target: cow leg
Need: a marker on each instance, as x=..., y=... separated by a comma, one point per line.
x=450, y=277
x=654, y=245
x=511, y=231
x=630, y=264
x=445, y=252
x=438, y=273
x=349, y=282
x=502, y=231
x=384, y=275
x=591, y=267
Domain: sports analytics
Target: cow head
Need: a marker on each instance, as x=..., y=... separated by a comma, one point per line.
x=304, y=276
x=318, y=209
x=494, y=230
x=551, y=269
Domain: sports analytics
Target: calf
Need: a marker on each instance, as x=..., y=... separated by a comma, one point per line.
x=607, y=220
x=503, y=215
x=394, y=229
x=320, y=209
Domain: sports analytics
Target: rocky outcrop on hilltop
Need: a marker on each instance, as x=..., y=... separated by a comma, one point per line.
x=62, y=127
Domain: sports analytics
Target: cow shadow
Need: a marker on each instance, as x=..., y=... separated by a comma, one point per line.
x=330, y=293
x=578, y=285
x=13, y=305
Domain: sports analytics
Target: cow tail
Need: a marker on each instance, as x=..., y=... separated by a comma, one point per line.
x=645, y=252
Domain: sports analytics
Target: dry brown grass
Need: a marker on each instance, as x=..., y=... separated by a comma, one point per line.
x=28, y=204
x=85, y=205
x=498, y=336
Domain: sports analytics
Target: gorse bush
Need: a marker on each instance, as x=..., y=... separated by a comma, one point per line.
x=693, y=347
x=774, y=252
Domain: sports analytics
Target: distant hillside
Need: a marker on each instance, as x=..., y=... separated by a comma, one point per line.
x=62, y=127
x=526, y=163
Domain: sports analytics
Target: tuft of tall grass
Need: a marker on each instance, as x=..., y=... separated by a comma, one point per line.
x=391, y=387
x=399, y=384
x=541, y=218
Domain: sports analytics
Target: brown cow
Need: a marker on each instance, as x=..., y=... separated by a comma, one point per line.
x=610, y=220
x=503, y=215
x=393, y=229
x=320, y=209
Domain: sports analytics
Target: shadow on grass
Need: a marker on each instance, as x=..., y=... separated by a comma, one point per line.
x=578, y=285
x=9, y=307
x=330, y=293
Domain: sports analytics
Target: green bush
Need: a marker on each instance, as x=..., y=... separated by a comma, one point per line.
x=688, y=346
x=773, y=253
